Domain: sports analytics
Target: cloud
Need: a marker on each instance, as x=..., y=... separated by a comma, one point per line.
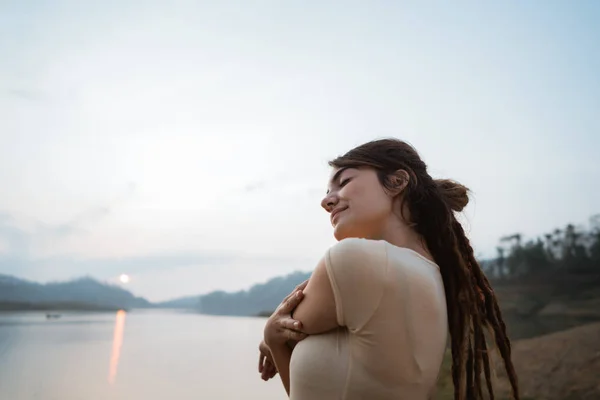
x=293, y=186
x=16, y=240
x=252, y=187
x=77, y=224
x=67, y=267
x=24, y=94
x=19, y=241
x=133, y=264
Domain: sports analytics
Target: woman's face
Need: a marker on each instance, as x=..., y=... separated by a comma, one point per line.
x=357, y=203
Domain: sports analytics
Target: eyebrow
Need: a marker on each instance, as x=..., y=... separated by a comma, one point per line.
x=337, y=175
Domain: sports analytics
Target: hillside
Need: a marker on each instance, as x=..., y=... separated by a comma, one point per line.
x=563, y=365
x=83, y=293
x=559, y=366
x=181, y=302
x=548, y=303
x=258, y=299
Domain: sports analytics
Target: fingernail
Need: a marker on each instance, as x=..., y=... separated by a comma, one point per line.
x=296, y=324
x=298, y=294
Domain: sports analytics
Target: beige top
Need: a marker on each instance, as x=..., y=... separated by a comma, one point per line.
x=391, y=309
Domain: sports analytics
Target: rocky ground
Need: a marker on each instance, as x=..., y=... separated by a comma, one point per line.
x=563, y=365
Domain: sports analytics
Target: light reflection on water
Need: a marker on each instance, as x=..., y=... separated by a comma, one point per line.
x=117, y=343
x=154, y=354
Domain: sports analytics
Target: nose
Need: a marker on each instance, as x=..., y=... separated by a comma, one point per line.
x=329, y=202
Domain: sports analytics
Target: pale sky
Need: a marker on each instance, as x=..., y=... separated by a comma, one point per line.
x=186, y=143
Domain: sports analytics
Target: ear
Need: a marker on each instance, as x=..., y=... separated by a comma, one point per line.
x=397, y=182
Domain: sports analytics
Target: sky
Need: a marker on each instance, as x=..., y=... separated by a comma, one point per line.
x=186, y=143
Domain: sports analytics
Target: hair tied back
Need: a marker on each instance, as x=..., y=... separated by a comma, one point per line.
x=453, y=193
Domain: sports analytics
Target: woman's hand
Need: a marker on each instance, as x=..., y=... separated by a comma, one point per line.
x=281, y=327
x=266, y=365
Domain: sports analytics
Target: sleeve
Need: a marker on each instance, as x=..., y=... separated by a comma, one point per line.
x=357, y=270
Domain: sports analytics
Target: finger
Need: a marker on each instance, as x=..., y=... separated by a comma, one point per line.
x=264, y=375
x=290, y=323
x=293, y=293
x=295, y=300
x=263, y=348
x=295, y=335
x=285, y=305
x=272, y=369
x=261, y=361
x=268, y=368
x=292, y=302
x=273, y=373
x=302, y=285
x=268, y=371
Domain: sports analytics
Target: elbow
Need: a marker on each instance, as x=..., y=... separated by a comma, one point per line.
x=313, y=327
x=308, y=330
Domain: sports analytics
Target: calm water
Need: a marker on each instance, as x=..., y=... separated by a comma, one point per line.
x=138, y=355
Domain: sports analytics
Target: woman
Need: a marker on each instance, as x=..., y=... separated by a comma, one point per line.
x=378, y=306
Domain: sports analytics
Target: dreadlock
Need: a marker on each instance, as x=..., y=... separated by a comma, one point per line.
x=471, y=303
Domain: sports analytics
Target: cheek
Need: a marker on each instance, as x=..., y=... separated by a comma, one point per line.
x=370, y=205
x=367, y=214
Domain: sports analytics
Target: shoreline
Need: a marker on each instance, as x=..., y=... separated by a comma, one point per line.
x=9, y=306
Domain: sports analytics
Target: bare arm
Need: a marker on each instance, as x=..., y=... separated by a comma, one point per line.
x=317, y=311
x=278, y=335
x=281, y=356
x=358, y=270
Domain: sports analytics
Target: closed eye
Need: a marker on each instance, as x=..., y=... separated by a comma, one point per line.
x=345, y=182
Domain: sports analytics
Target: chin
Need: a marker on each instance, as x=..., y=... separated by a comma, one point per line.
x=338, y=236
x=342, y=231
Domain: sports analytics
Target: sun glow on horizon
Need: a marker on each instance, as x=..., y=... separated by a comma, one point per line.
x=124, y=278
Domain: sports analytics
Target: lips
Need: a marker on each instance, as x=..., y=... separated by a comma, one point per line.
x=335, y=212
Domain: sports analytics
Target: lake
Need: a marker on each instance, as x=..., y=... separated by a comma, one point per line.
x=145, y=354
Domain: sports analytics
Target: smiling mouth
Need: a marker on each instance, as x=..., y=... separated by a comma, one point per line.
x=336, y=213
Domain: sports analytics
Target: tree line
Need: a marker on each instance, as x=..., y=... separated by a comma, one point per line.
x=572, y=249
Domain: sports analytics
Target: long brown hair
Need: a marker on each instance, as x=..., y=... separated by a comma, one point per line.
x=471, y=303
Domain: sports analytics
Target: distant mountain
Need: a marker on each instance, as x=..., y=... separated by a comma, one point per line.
x=181, y=302
x=79, y=292
x=88, y=293
x=11, y=279
x=259, y=299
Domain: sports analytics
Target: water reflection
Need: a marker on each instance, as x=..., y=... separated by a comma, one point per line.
x=116, y=348
x=169, y=355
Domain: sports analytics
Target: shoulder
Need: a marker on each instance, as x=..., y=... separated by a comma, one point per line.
x=357, y=251
x=355, y=257
x=357, y=271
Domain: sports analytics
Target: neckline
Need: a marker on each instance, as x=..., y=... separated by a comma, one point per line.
x=422, y=257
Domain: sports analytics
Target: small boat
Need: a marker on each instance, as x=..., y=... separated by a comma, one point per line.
x=52, y=316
